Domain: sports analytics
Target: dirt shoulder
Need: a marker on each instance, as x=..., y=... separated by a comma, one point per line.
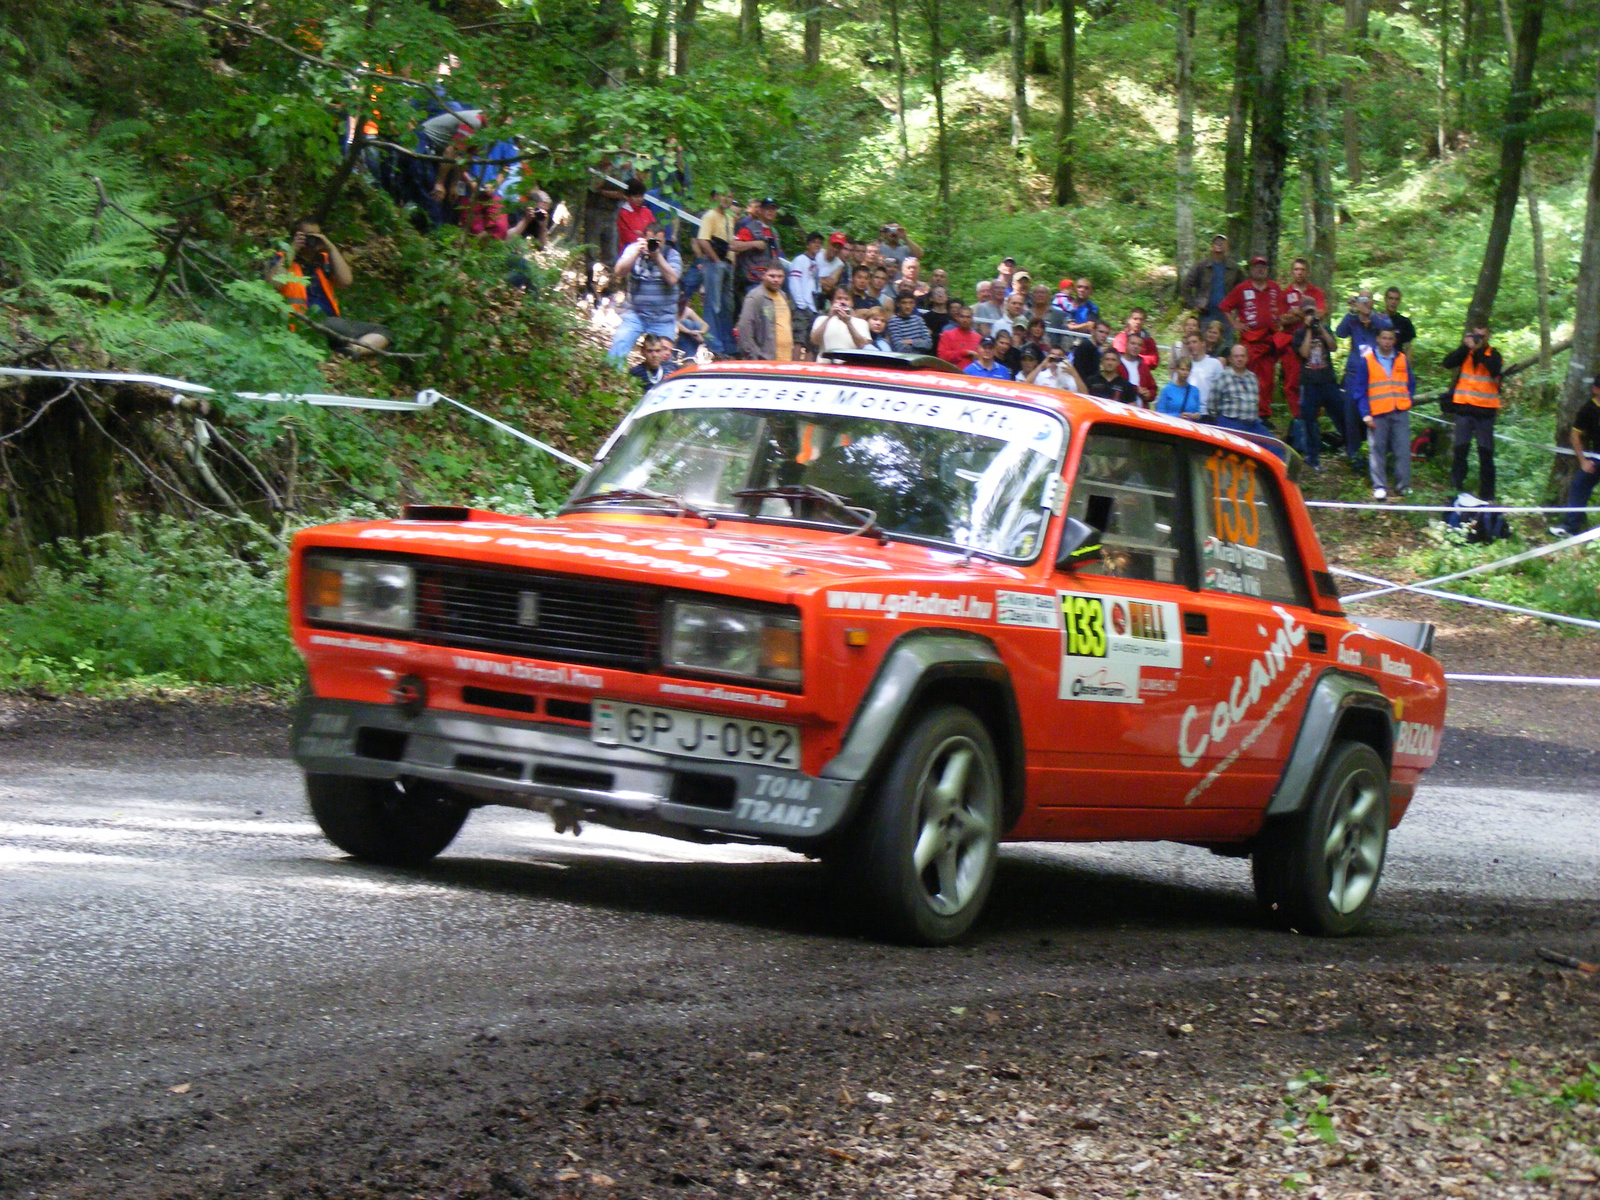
x=1335, y=1080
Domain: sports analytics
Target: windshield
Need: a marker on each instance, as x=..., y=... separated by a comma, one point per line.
x=956, y=469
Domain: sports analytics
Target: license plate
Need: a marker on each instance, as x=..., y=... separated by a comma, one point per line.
x=696, y=735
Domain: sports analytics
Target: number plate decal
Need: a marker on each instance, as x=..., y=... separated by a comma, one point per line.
x=1109, y=642
x=696, y=735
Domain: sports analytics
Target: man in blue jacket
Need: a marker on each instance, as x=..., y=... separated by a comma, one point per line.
x=1384, y=388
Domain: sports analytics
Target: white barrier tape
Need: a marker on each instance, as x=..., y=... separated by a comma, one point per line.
x=425, y=400
x=1525, y=556
x=1548, y=680
x=514, y=432
x=1474, y=601
x=1443, y=508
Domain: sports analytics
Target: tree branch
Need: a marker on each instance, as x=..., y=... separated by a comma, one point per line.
x=256, y=31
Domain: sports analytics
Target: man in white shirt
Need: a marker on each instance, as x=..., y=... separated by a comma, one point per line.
x=803, y=275
x=837, y=329
x=988, y=309
x=1203, y=369
x=831, y=260
x=1056, y=372
x=1011, y=319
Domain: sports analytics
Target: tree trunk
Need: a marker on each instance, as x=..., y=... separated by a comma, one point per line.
x=933, y=10
x=1541, y=276
x=688, y=13
x=1585, y=358
x=1065, y=192
x=1355, y=32
x=1324, y=213
x=1269, y=134
x=1183, y=204
x=1513, y=146
x=613, y=27
x=749, y=22
x=1469, y=43
x=1235, y=189
x=658, y=41
x=813, y=33
x=1443, y=81
x=899, y=78
x=1038, y=57
x=1019, y=73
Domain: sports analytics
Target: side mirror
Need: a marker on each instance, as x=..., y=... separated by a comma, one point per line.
x=1080, y=543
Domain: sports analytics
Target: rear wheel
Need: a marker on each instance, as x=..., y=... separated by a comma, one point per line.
x=921, y=863
x=384, y=820
x=1317, y=870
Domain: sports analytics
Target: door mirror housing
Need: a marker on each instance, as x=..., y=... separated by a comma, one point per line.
x=1080, y=543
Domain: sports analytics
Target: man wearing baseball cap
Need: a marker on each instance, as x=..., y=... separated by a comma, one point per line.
x=894, y=246
x=1208, y=283
x=1254, y=308
x=985, y=364
x=755, y=245
x=833, y=263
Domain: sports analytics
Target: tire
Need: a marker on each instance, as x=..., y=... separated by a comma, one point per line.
x=1317, y=870
x=384, y=821
x=939, y=803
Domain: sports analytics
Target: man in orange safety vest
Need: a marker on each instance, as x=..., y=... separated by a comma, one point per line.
x=1474, y=402
x=1383, y=387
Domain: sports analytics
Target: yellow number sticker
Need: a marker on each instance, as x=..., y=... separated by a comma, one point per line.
x=1084, y=620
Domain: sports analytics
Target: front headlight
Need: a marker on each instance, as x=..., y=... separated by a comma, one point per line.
x=718, y=639
x=350, y=591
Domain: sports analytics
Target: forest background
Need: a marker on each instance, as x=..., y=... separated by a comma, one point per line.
x=152, y=152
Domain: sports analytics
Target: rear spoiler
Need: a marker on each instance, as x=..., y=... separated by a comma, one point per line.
x=1416, y=634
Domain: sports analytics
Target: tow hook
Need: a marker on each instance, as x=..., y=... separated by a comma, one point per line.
x=565, y=817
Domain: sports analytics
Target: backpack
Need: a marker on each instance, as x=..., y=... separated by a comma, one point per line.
x=1481, y=524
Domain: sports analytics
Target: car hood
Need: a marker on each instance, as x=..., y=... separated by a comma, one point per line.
x=735, y=558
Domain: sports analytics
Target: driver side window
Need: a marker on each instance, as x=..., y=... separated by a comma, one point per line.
x=1129, y=488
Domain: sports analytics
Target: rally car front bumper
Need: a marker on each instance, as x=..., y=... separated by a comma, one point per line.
x=559, y=769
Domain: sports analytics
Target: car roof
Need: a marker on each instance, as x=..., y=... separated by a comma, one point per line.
x=1077, y=408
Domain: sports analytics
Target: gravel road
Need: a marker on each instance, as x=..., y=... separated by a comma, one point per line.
x=202, y=998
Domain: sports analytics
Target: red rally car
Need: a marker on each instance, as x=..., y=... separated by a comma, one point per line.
x=887, y=616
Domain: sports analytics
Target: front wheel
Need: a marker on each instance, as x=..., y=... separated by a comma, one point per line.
x=921, y=864
x=384, y=820
x=1317, y=870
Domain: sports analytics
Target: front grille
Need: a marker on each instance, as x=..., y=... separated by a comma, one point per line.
x=540, y=616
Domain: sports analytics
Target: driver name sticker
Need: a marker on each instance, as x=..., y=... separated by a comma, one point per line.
x=1107, y=642
x=1036, y=609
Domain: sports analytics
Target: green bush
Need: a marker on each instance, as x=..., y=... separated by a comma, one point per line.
x=168, y=602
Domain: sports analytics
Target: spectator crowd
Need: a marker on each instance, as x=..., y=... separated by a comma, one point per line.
x=1244, y=337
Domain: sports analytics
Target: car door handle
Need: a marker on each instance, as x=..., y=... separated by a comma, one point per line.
x=1196, y=624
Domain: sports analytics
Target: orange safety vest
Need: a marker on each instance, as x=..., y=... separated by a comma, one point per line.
x=1387, y=392
x=294, y=289
x=1475, y=386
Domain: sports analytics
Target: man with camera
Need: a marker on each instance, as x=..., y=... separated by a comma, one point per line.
x=1056, y=372
x=308, y=278
x=1474, y=401
x=1297, y=294
x=652, y=269
x=839, y=328
x=1317, y=389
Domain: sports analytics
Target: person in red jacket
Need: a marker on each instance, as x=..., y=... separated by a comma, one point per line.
x=1140, y=354
x=958, y=344
x=1297, y=293
x=1254, y=308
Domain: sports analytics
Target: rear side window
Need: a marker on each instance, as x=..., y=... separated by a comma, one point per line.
x=1130, y=488
x=1246, y=547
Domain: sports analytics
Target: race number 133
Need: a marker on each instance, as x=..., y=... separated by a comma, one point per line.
x=1084, y=620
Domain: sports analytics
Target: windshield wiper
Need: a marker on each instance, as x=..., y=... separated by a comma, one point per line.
x=680, y=507
x=805, y=491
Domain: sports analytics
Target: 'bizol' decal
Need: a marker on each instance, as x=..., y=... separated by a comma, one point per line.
x=1267, y=668
x=930, y=604
x=1416, y=740
x=1108, y=641
x=717, y=692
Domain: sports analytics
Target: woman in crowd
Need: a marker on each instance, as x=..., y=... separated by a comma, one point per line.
x=877, y=324
x=936, y=314
x=1180, y=398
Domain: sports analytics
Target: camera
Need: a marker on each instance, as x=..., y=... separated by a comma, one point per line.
x=653, y=244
